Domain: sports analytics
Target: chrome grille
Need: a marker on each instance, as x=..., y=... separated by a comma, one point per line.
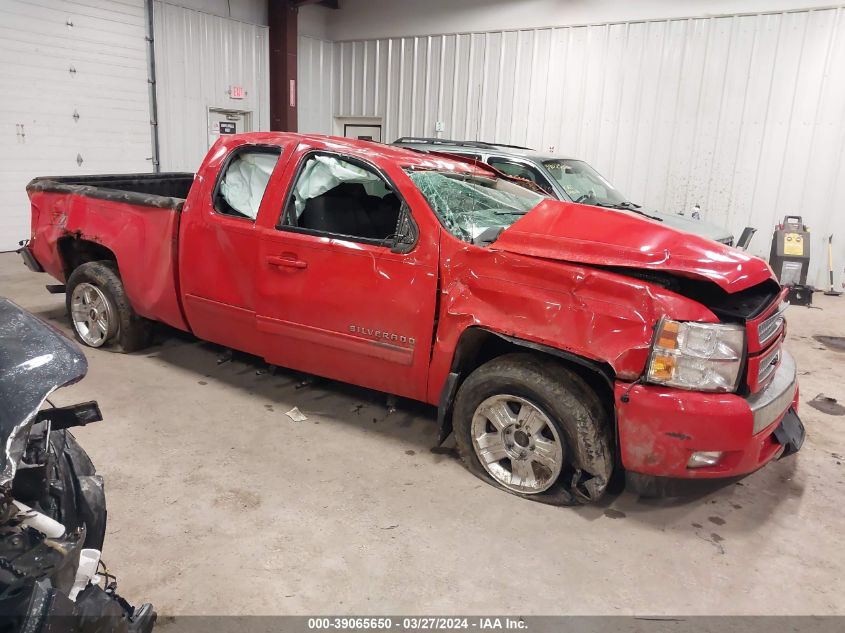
x=768, y=328
x=768, y=364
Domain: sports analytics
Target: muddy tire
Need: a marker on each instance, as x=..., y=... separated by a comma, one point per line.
x=527, y=424
x=100, y=312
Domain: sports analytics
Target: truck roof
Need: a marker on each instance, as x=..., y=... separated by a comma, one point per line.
x=450, y=145
x=363, y=149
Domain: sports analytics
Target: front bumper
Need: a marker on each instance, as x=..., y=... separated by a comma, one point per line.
x=660, y=428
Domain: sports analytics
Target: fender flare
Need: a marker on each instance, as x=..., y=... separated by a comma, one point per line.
x=456, y=374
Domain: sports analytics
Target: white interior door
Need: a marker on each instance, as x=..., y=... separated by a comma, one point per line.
x=222, y=122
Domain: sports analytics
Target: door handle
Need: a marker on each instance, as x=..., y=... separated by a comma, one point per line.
x=287, y=262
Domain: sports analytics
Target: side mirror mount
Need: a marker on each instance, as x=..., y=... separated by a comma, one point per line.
x=407, y=233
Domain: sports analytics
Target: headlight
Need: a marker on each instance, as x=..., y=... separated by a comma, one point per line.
x=697, y=356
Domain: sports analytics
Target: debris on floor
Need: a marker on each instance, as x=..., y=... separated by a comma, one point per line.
x=826, y=404
x=391, y=404
x=835, y=343
x=612, y=513
x=224, y=357
x=306, y=381
x=296, y=415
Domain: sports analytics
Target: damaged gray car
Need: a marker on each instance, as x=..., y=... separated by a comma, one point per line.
x=52, y=502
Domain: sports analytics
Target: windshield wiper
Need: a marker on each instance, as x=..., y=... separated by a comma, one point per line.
x=488, y=236
x=628, y=206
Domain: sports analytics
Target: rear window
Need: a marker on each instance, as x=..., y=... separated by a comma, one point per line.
x=244, y=180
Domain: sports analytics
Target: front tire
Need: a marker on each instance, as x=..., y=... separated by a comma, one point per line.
x=100, y=312
x=529, y=425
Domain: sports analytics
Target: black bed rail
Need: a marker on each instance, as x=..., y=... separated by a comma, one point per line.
x=162, y=190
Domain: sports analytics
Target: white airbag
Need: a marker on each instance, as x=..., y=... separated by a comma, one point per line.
x=324, y=173
x=245, y=182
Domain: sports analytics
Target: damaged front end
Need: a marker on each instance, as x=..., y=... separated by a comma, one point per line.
x=52, y=503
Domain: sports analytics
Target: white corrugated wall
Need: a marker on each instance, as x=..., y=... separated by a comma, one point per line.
x=742, y=114
x=59, y=58
x=199, y=56
x=315, y=64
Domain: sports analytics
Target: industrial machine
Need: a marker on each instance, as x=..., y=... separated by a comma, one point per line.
x=790, y=259
x=790, y=255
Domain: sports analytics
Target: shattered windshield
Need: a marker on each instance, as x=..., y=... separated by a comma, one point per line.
x=470, y=205
x=582, y=183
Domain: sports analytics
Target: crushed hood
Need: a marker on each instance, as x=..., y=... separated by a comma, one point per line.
x=35, y=360
x=605, y=237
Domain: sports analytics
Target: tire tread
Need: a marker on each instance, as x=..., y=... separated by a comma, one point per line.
x=575, y=407
x=134, y=332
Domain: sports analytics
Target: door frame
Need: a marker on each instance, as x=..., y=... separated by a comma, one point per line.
x=347, y=338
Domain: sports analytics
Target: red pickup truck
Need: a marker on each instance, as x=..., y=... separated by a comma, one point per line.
x=560, y=342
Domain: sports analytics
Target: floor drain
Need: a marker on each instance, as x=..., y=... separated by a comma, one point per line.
x=836, y=343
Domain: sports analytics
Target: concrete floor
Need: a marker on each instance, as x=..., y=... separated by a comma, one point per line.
x=221, y=504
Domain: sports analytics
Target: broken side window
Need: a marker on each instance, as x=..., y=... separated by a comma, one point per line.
x=341, y=197
x=521, y=170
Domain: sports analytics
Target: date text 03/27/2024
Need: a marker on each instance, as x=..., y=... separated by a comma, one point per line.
x=418, y=623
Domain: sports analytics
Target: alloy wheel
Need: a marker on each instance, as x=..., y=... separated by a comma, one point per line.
x=92, y=315
x=517, y=444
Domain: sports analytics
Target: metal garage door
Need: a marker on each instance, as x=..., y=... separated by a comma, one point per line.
x=76, y=96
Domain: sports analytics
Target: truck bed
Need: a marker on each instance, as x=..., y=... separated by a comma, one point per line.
x=132, y=219
x=165, y=190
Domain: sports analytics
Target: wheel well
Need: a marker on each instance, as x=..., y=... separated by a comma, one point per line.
x=76, y=251
x=478, y=346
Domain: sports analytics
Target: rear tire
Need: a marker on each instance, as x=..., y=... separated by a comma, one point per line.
x=529, y=425
x=100, y=312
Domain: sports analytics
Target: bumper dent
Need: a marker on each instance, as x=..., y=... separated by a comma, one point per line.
x=660, y=428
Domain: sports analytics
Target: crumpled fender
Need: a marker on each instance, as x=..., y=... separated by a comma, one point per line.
x=588, y=312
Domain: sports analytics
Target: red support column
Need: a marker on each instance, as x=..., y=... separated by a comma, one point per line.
x=283, y=86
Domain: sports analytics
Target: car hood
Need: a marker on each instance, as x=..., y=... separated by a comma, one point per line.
x=35, y=360
x=605, y=237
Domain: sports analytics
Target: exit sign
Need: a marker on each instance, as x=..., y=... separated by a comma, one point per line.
x=237, y=92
